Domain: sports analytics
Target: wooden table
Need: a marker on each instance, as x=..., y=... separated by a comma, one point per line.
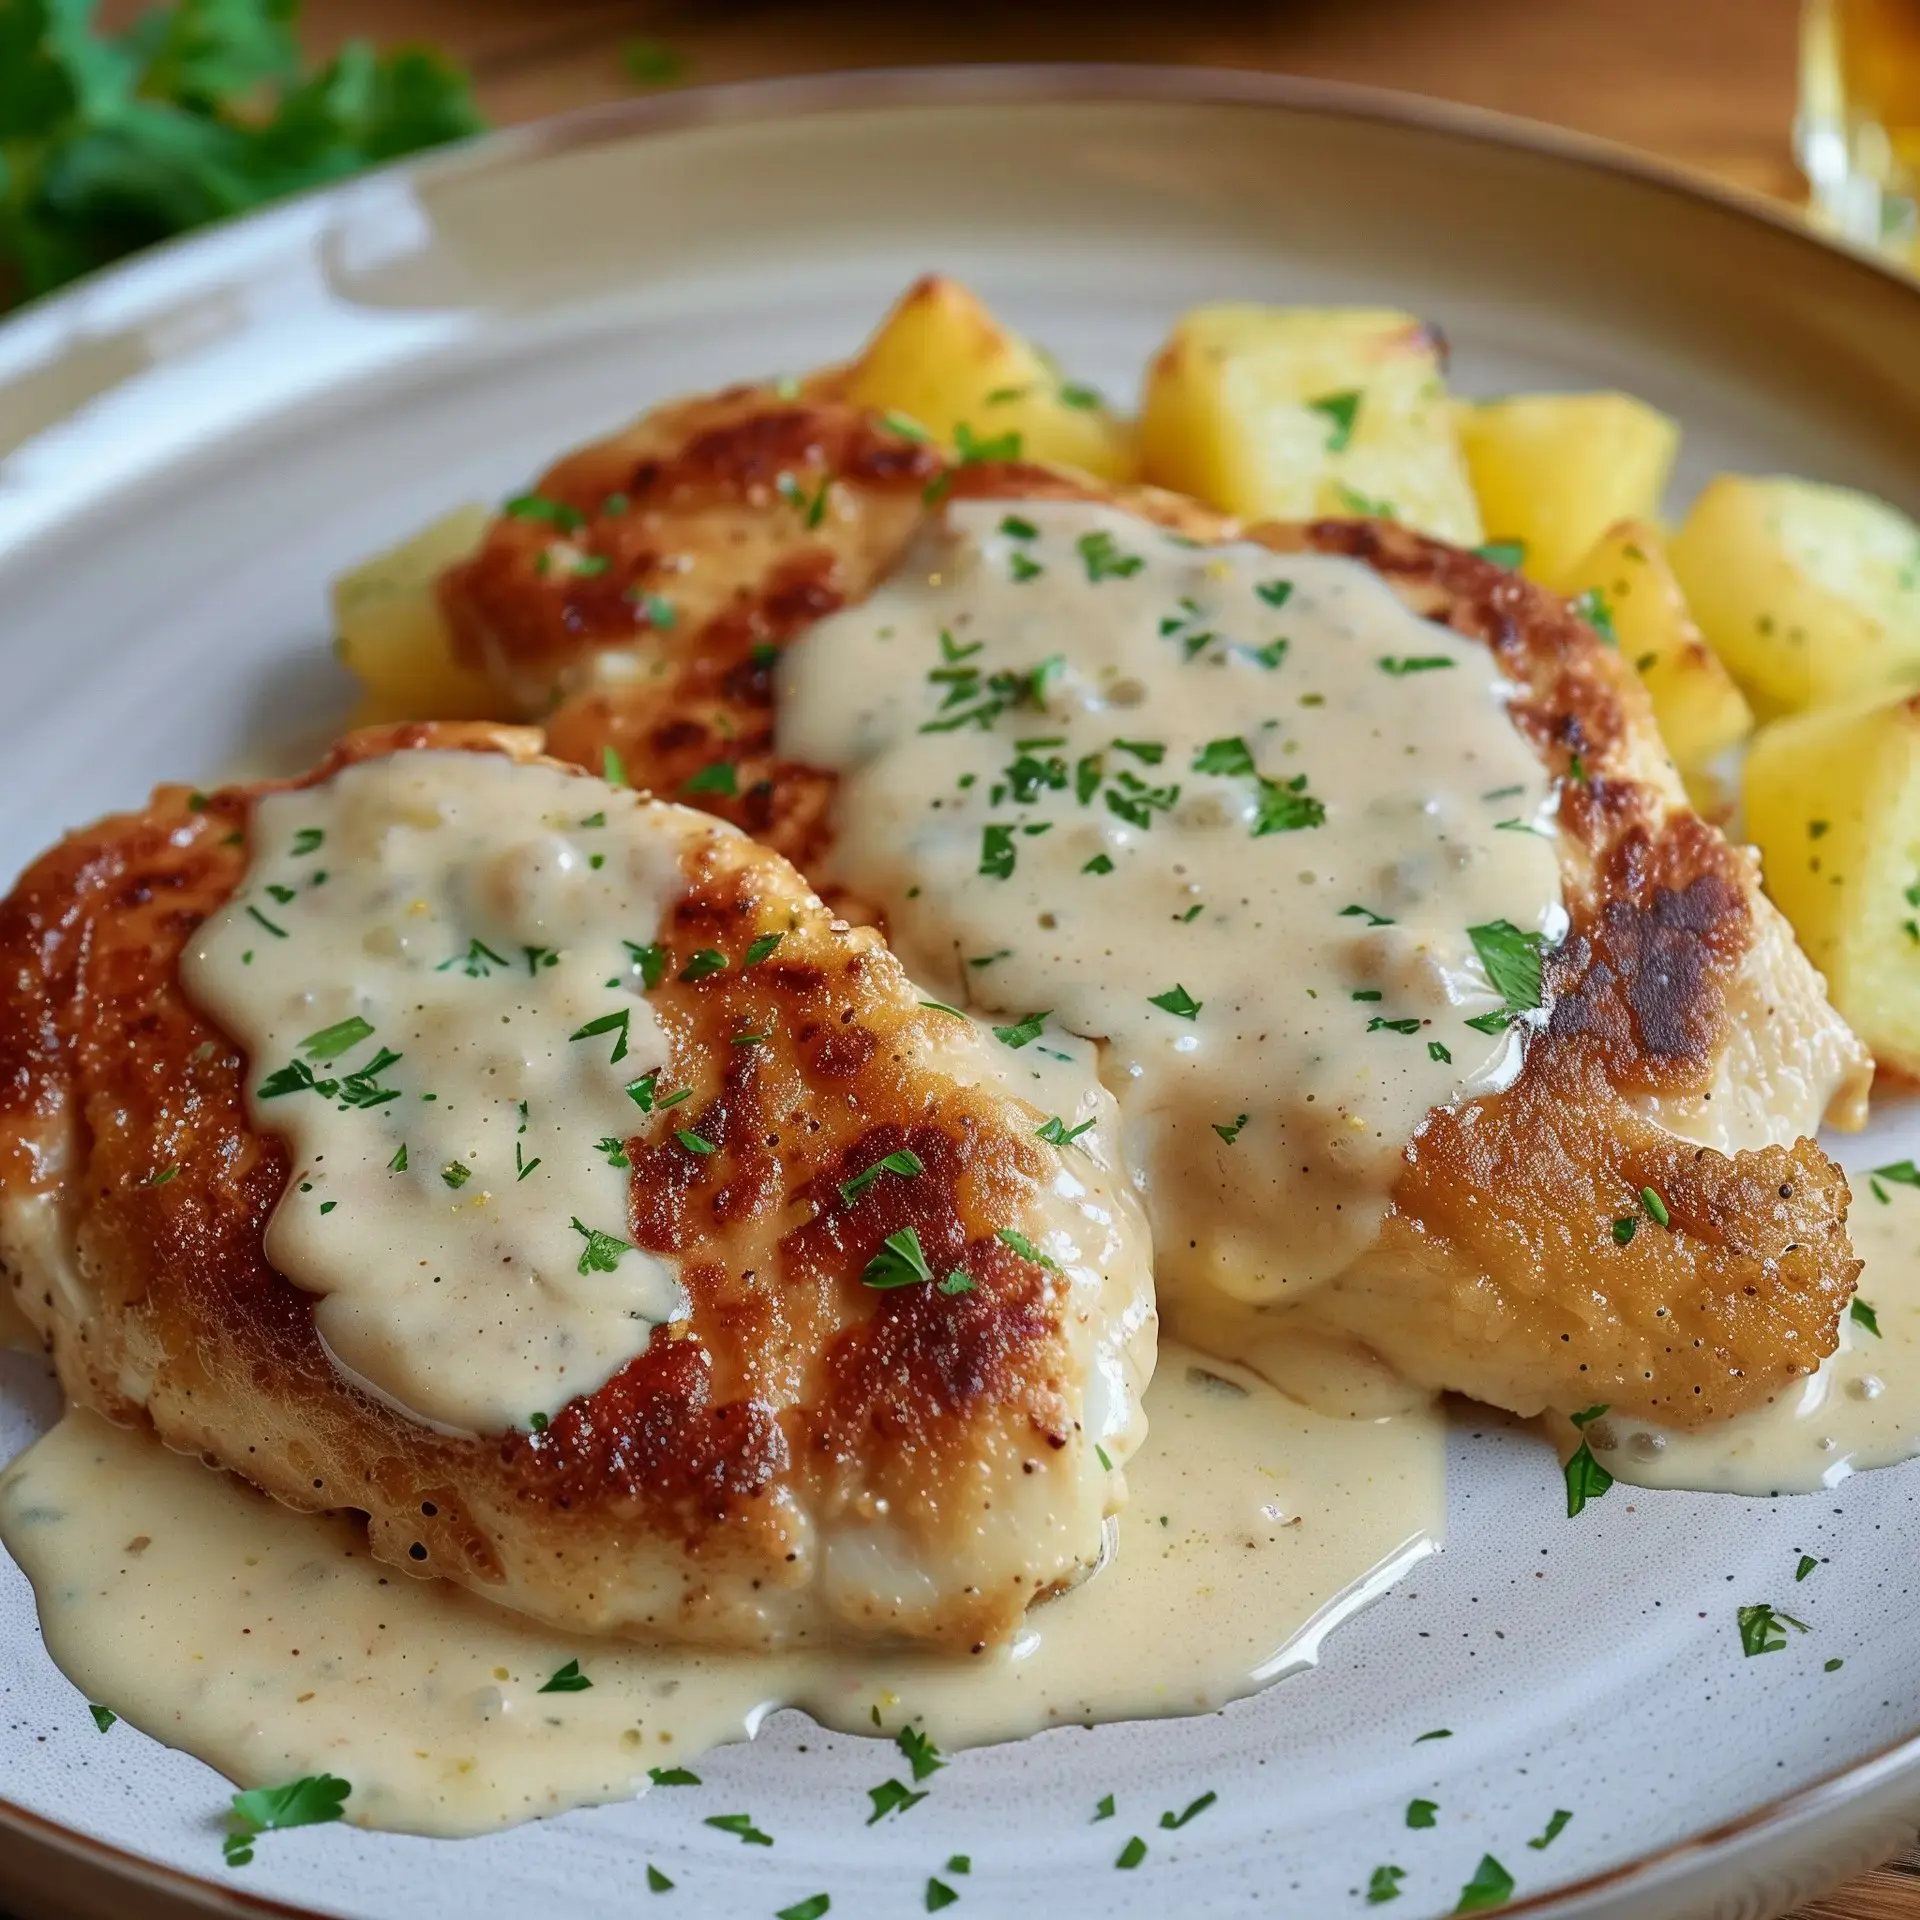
x=1708, y=83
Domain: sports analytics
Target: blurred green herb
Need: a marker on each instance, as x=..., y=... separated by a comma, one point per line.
x=112, y=141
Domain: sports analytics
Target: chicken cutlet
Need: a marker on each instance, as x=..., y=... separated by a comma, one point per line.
x=542, y=1171
x=1589, y=1174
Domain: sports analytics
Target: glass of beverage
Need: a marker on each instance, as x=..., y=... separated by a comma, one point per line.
x=1857, y=132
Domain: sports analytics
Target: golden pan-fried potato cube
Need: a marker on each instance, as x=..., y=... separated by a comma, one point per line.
x=1555, y=470
x=1626, y=587
x=942, y=359
x=391, y=636
x=1295, y=413
x=1833, y=803
x=1810, y=594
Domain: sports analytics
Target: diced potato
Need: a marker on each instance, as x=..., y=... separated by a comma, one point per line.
x=391, y=636
x=1810, y=594
x=1556, y=470
x=1293, y=413
x=1631, y=591
x=941, y=358
x=1833, y=802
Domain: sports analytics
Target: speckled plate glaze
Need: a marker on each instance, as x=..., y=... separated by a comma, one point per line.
x=196, y=442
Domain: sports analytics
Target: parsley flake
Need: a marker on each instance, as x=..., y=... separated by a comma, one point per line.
x=891, y=1796
x=719, y=777
x=1056, y=1133
x=1491, y=1886
x=1384, y=1885
x=313, y=1801
x=899, y=1263
x=904, y=1162
x=1555, y=1828
x=741, y=1824
x=1420, y=1813
x=1020, y=1034
x=1191, y=1811
x=614, y=1023
x=1339, y=410
x=1176, y=1001
x=1763, y=1629
x=568, y=1679
x=602, y=1251
x=1131, y=1854
x=1863, y=1315
x=1025, y=1248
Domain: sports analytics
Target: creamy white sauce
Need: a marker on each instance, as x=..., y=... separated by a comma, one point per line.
x=414, y=944
x=271, y=1645
x=1086, y=764
x=1860, y=1410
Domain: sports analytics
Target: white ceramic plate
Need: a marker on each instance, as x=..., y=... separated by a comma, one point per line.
x=200, y=440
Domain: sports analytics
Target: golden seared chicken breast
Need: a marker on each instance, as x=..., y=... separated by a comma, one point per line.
x=1441, y=1028
x=541, y=1170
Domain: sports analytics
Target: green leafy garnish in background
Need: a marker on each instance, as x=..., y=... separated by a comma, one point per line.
x=112, y=141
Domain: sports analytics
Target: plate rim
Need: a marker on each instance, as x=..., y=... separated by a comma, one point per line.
x=204, y=258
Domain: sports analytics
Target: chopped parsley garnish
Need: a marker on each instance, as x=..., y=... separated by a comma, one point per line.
x=538, y=1422
x=904, y=1162
x=1435, y=1733
x=720, y=777
x=972, y=449
x=602, y=1251
x=1230, y=1132
x=1230, y=756
x=1276, y=593
x=1491, y=1886
x=1587, y=1479
x=1591, y=606
x=1017, y=529
x=1152, y=752
x=1100, y=863
x=1806, y=1566
x=1656, y=1207
x=1191, y=1811
x=1439, y=1050
x=996, y=852
x=1286, y=807
x=652, y=961
x=537, y=506
x=1025, y=1248
x=1021, y=1033
x=166, y=1174
x=646, y=1095
x=1104, y=560
x=313, y=1801
x=812, y=509
x=1131, y=1854
x=1863, y=1315
x=1555, y=1828
x=1339, y=409
x=280, y=893
x=1082, y=399
x=613, y=769
x=1414, y=663
x=939, y=1895
x=891, y=1796
x=1020, y=569
x=1420, y=1812
x=760, y=949
x=811, y=1908
x=958, y=1281
x=1763, y=1629
x=1624, y=1229
x=1177, y=1001
x=1503, y=553
x=706, y=962
x=940, y=1006
x=1368, y=508
x=657, y=1882
x=456, y=1173
x=899, y=1263
x=741, y=1824
x=1512, y=961
x=1134, y=801
x=308, y=840
x=905, y=425
x=1379, y=1024
x=1902, y=1173
x=673, y=1776
x=477, y=963
x=922, y=1755
x=1385, y=1885
x=279, y=933
x=694, y=1142
x=103, y=1717
x=1367, y=913
x=614, y=1023
x=568, y=1679
x=1056, y=1133
x=610, y=1144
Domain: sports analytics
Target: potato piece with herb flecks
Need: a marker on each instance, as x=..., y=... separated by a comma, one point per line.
x=1556, y=470
x=1833, y=802
x=942, y=360
x=1810, y=594
x=1295, y=413
x=393, y=638
x=1626, y=587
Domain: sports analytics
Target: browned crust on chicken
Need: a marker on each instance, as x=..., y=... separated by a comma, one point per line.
x=793, y=1395
x=1503, y=1226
